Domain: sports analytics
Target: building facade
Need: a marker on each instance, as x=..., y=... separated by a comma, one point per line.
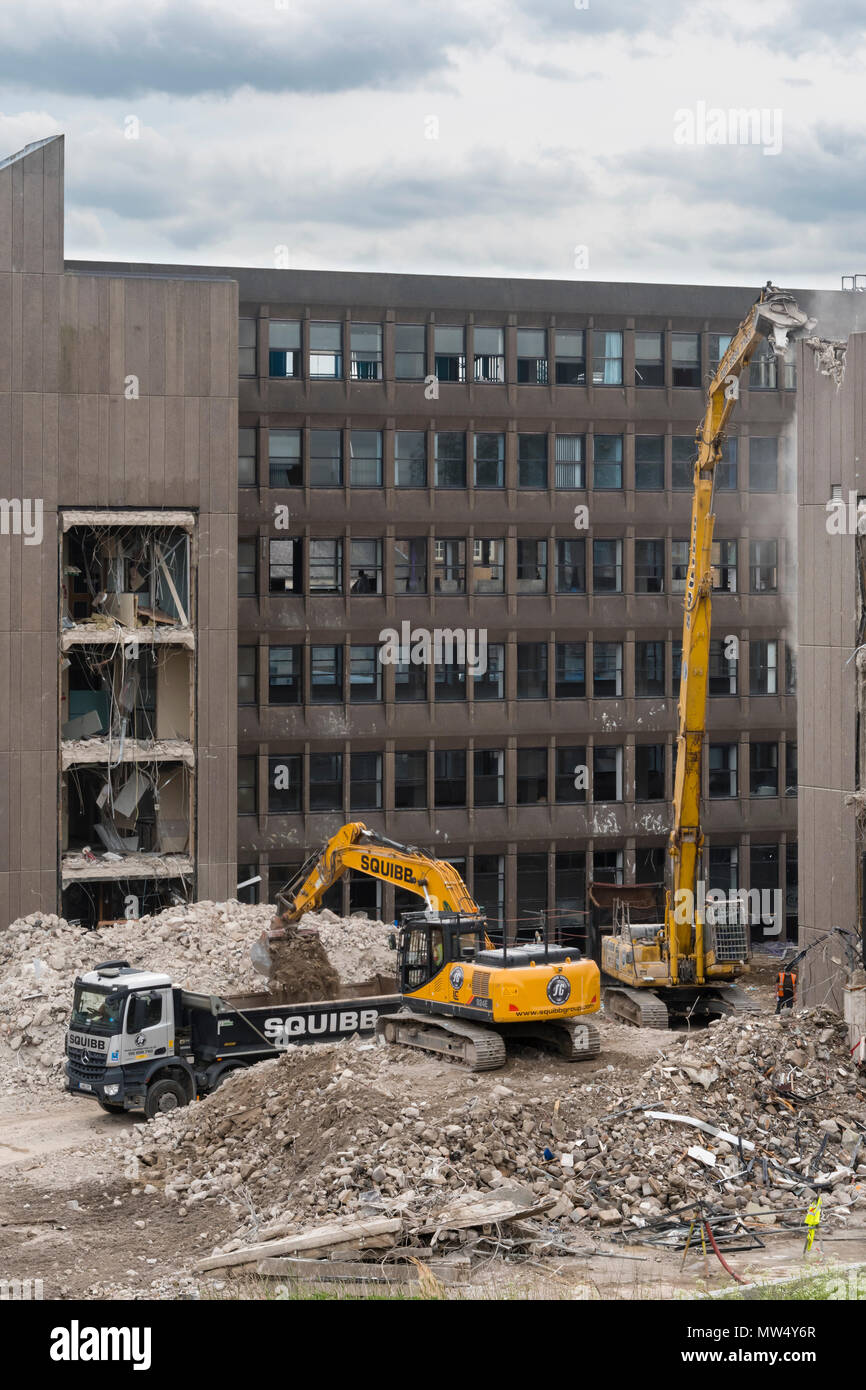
x=443, y=577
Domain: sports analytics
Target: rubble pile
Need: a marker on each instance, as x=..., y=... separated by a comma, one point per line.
x=356, y=1131
x=357, y=946
x=301, y=967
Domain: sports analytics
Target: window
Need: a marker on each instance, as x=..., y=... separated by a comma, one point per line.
x=531, y=892
x=489, y=345
x=726, y=468
x=247, y=786
x=489, y=887
x=326, y=458
x=649, y=668
x=679, y=566
x=570, y=359
x=570, y=670
x=722, y=772
x=247, y=473
x=410, y=458
x=531, y=357
x=686, y=359
x=531, y=776
x=450, y=353
x=450, y=462
x=676, y=666
x=489, y=767
x=532, y=670
x=763, y=463
x=326, y=351
x=247, y=568
x=247, y=330
x=607, y=567
x=410, y=682
x=683, y=455
x=247, y=668
x=762, y=368
x=489, y=566
x=791, y=778
x=606, y=358
x=570, y=898
x=326, y=675
x=326, y=566
x=607, y=670
x=649, y=772
x=607, y=774
x=366, y=346
x=649, y=463
x=365, y=782
x=449, y=567
x=365, y=458
x=365, y=567
x=531, y=567
x=285, y=468
x=607, y=865
x=326, y=781
x=532, y=460
x=724, y=564
x=763, y=769
x=449, y=680
x=410, y=781
x=571, y=567
x=568, y=465
x=410, y=351
x=571, y=775
x=284, y=784
x=724, y=869
x=410, y=566
x=607, y=461
x=763, y=658
x=790, y=670
x=490, y=684
x=365, y=675
x=718, y=346
x=649, y=359
x=284, y=348
x=285, y=569
x=450, y=778
x=764, y=875
x=649, y=567
x=489, y=460
x=762, y=566
x=285, y=675
x=722, y=669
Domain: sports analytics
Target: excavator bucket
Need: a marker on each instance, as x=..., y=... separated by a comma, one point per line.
x=781, y=319
x=260, y=955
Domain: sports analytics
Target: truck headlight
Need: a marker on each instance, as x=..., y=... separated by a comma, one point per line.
x=110, y=1090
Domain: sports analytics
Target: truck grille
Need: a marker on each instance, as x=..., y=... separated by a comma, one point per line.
x=79, y=1070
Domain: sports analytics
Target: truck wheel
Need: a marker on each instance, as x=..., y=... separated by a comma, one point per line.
x=164, y=1096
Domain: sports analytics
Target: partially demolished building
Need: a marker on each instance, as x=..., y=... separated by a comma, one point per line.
x=118, y=399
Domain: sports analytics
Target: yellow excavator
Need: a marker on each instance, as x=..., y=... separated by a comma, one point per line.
x=688, y=963
x=462, y=996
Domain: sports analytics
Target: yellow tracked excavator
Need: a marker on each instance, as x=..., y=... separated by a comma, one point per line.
x=462, y=996
x=687, y=964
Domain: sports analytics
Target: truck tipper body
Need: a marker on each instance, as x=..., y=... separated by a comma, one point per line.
x=138, y=1042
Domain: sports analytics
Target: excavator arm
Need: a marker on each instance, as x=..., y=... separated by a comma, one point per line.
x=774, y=316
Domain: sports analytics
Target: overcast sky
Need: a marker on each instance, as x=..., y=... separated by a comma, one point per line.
x=489, y=137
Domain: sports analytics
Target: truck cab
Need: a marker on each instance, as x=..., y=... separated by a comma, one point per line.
x=121, y=1034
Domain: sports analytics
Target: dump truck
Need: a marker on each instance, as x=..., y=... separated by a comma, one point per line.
x=136, y=1041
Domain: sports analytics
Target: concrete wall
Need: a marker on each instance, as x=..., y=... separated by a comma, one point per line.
x=70, y=437
x=831, y=452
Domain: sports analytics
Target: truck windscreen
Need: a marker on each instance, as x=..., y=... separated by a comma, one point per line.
x=97, y=1008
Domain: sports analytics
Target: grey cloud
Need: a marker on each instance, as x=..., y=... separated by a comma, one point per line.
x=191, y=48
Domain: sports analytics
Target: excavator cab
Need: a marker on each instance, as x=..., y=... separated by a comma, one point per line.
x=430, y=940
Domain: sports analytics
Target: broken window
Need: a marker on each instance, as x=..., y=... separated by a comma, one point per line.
x=285, y=777
x=135, y=575
x=570, y=670
x=410, y=458
x=284, y=348
x=722, y=770
x=649, y=359
x=531, y=357
x=649, y=772
x=125, y=810
x=450, y=354
x=326, y=351
x=607, y=670
x=285, y=467
x=285, y=675
x=489, y=353
x=489, y=460
x=366, y=344
x=410, y=351
x=489, y=768
x=531, y=776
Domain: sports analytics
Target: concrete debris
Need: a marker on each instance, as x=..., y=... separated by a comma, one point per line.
x=352, y=1131
x=829, y=357
x=203, y=946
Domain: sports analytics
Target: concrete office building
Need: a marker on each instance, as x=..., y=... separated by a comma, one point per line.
x=508, y=462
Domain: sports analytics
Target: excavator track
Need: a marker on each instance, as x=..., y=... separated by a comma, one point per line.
x=734, y=1000
x=642, y=1008
x=475, y=1047
x=575, y=1039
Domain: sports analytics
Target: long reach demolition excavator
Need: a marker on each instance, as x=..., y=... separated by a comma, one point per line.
x=461, y=996
x=688, y=963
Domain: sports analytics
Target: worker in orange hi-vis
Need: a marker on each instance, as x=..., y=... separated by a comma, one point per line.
x=812, y=1222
